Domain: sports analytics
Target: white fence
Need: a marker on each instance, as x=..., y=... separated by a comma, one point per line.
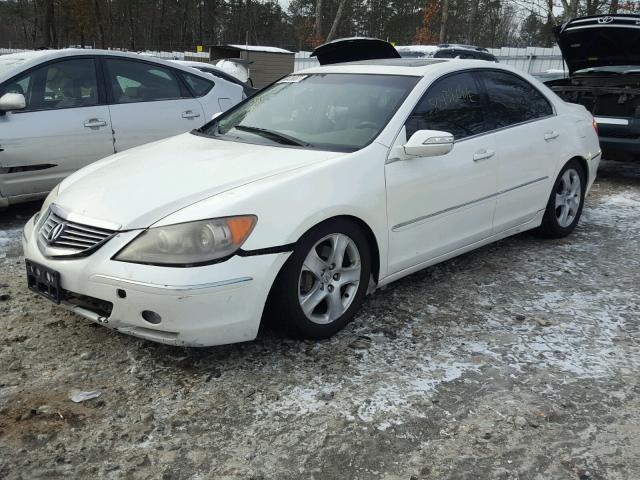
x=529, y=59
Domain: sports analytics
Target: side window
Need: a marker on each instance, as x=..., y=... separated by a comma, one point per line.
x=452, y=104
x=141, y=82
x=513, y=100
x=199, y=86
x=65, y=84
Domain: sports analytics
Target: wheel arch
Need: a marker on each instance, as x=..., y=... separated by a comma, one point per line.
x=583, y=163
x=366, y=229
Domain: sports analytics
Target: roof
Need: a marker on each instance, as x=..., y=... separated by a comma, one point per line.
x=30, y=59
x=415, y=67
x=253, y=48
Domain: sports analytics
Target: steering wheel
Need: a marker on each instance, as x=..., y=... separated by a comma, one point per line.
x=367, y=124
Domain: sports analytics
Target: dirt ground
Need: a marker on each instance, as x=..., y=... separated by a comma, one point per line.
x=517, y=361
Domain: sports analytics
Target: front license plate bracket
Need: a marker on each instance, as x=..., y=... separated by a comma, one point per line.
x=44, y=281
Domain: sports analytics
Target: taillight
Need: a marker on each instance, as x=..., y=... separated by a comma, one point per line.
x=595, y=125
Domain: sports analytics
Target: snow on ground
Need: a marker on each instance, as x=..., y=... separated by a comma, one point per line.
x=518, y=360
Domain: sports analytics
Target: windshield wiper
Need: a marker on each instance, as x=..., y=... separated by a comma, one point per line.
x=277, y=136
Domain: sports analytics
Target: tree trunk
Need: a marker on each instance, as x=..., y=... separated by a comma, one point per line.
x=570, y=8
x=132, y=33
x=613, y=8
x=98, y=16
x=443, y=24
x=48, y=26
x=318, y=28
x=336, y=20
x=472, y=23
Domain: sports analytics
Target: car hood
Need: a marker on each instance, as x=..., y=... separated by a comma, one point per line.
x=599, y=41
x=138, y=187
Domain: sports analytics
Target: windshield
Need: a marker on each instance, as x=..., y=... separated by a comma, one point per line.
x=329, y=111
x=8, y=64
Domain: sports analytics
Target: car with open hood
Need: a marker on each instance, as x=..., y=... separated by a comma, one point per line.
x=602, y=53
x=296, y=203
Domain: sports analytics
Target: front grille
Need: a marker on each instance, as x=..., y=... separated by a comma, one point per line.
x=63, y=237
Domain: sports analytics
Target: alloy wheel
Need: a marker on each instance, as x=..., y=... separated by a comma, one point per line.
x=329, y=278
x=568, y=197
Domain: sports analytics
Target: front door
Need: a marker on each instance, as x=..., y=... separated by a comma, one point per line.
x=148, y=103
x=436, y=205
x=64, y=127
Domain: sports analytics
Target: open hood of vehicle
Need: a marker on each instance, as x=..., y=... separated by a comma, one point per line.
x=600, y=41
x=354, y=49
x=140, y=186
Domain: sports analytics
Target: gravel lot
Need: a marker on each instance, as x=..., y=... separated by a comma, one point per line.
x=517, y=361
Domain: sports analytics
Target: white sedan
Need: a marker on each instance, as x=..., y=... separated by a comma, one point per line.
x=305, y=197
x=63, y=109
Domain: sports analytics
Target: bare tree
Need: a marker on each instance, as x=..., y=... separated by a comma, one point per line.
x=336, y=20
x=443, y=21
x=318, y=27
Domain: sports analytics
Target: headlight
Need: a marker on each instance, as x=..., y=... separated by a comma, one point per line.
x=189, y=244
x=53, y=194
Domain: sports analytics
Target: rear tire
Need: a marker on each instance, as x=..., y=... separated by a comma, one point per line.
x=323, y=283
x=566, y=201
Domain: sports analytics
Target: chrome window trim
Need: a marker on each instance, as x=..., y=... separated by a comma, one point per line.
x=409, y=223
x=478, y=135
x=496, y=130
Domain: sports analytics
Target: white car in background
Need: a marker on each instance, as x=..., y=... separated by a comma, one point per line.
x=325, y=185
x=218, y=72
x=63, y=109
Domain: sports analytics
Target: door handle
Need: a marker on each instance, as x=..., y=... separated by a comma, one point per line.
x=95, y=123
x=551, y=135
x=190, y=114
x=483, y=155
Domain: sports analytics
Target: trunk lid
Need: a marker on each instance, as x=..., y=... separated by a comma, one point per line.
x=354, y=49
x=600, y=41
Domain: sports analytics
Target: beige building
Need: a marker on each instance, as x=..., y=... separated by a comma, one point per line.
x=265, y=64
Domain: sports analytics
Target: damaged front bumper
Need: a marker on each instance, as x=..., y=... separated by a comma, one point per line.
x=200, y=306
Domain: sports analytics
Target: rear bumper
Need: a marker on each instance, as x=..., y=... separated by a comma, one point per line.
x=201, y=306
x=612, y=145
x=619, y=135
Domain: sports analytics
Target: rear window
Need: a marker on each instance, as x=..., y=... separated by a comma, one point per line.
x=513, y=100
x=198, y=85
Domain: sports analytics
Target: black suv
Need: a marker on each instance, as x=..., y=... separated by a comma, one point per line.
x=602, y=53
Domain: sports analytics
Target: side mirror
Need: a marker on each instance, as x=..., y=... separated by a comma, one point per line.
x=12, y=101
x=429, y=143
x=216, y=115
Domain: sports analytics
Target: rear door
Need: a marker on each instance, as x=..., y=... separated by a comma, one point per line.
x=527, y=134
x=65, y=126
x=148, y=102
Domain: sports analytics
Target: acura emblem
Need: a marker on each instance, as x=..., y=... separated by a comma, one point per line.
x=605, y=20
x=55, y=232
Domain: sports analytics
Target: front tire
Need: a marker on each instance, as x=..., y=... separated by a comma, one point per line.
x=323, y=284
x=566, y=201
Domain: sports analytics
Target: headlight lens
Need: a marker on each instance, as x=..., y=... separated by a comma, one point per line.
x=53, y=194
x=189, y=244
